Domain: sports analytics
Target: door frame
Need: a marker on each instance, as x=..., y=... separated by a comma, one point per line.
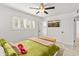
x=41, y=27
x=75, y=34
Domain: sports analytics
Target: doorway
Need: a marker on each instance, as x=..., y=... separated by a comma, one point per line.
x=77, y=32
x=42, y=28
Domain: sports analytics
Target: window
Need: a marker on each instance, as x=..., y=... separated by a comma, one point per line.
x=18, y=23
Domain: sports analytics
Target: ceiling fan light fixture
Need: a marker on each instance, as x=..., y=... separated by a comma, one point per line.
x=43, y=9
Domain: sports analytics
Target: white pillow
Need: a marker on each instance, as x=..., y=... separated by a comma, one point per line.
x=2, y=53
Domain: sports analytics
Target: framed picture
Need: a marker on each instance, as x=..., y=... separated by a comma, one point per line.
x=54, y=23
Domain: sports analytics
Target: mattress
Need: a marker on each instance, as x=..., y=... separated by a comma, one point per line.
x=37, y=49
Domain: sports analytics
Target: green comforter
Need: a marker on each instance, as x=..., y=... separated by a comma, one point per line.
x=33, y=48
x=37, y=49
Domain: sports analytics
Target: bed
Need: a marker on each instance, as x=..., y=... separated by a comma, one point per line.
x=34, y=48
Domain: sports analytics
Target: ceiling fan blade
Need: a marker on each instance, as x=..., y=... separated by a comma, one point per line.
x=37, y=12
x=45, y=12
x=33, y=8
x=49, y=8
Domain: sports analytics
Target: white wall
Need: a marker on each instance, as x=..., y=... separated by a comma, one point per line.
x=66, y=26
x=6, y=30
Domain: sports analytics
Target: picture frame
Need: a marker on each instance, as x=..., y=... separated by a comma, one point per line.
x=54, y=23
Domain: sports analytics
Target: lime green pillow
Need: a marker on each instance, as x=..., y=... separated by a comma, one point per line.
x=9, y=51
x=2, y=42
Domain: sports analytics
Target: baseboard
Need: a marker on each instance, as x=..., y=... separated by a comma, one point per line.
x=66, y=44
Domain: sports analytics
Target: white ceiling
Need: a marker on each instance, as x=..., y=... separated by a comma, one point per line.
x=60, y=8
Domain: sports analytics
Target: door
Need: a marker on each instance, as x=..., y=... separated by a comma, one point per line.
x=77, y=32
x=42, y=28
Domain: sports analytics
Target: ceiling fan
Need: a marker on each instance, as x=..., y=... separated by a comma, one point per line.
x=42, y=8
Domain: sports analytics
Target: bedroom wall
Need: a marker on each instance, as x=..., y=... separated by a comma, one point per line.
x=6, y=30
x=66, y=26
